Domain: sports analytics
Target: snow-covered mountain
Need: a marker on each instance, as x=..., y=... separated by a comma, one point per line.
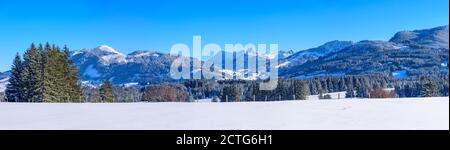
x=285, y=54
x=105, y=54
x=314, y=53
x=433, y=38
x=106, y=63
x=408, y=53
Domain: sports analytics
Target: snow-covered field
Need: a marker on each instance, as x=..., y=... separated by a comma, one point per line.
x=408, y=113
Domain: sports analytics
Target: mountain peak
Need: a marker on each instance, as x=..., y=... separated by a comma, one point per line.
x=106, y=54
x=435, y=37
x=106, y=48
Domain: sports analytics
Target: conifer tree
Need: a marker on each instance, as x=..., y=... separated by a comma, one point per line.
x=51, y=89
x=350, y=93
x=42, y=56
x=231, y=94
x=72, y=77
x=362, y=92
x=429, y=89
x=106, y=92
x=32, y=75
x=62, y=70
x=301, y=89
x=14, y=91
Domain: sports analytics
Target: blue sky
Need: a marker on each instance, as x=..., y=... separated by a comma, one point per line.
x=131, y=25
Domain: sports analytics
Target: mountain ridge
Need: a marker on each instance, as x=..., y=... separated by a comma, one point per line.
x=421, y=54
x=416, y=52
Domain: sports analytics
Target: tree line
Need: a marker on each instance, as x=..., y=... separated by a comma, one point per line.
x=287, y=89
x=366, y=86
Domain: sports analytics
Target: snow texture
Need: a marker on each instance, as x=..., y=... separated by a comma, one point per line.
x=146, y=54
x=401, y=47
x=91, y=72
x=131, y=84
x=107, y=55
x=74, y=53
x=353, y=114
x=109, y=49
x=3, y=83
x=283, y=64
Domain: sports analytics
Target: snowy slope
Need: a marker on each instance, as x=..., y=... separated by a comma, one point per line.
x=4, y=77
x=414, y=113
x=106, y=54
x=3, y=83
x=303, y=56
x=435, y=37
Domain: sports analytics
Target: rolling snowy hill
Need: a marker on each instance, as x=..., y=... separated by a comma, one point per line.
x=352, y=114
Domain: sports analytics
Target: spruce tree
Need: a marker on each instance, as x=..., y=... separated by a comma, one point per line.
x=72, y=77
x=280, y=92
x=231, y=93
x=106, y=92
x=362, y=92
x=52, y=90
x=43, y=56
x=429, y=89
x=14, y=90
x=350, y=93
x=62, y=73
x=301, y=90
x=32, y=75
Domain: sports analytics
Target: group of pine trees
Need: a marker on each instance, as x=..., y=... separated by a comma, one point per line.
x=46, y=74
x=423, y=86
x=108, y=93
x=356, y=86
x=361, y=85
x=166, y=93
x=292, y=89
x=231, y=93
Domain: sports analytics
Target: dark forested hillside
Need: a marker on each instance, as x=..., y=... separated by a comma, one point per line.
x=425, y=54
